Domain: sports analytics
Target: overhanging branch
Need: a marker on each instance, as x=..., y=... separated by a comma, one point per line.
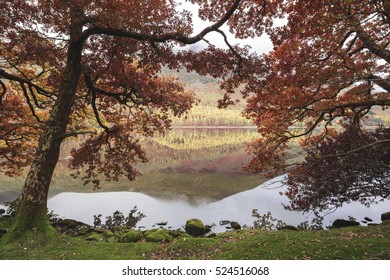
x=159, y=38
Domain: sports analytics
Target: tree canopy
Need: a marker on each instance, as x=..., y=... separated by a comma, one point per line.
x=327, y=73
x=93, y=67
x=72, y=67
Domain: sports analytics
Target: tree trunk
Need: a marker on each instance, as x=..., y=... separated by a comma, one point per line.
x=32, y=209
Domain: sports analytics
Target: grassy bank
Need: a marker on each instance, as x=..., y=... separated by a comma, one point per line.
x=349, y=243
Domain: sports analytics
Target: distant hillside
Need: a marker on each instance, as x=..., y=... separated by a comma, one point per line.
x=206, y=113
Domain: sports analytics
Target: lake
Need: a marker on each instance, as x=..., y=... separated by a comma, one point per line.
x=238, y=207
x=193, y=173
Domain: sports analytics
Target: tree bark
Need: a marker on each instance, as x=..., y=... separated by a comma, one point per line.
x=32, y=209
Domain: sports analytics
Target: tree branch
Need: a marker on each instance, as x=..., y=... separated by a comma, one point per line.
x=383, y=83
x=370, y=44
x=20, y=80
x=159, y=38
x=355, y=150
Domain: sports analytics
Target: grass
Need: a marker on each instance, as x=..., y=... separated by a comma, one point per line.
x=349, y=243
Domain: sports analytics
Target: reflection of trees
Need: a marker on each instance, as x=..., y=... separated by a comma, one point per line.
x=180, y=139
x=196, y=144
x=179, y=145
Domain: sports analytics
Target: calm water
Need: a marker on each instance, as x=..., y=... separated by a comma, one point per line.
x=192, y=150
x=238, y=207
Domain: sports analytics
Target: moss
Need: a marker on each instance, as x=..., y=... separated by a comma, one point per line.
x=347, y=243
x=107, y=234
x=131, y=236
x=158, y=235
x=95, y=237
x=25, y=230
x=195, y=227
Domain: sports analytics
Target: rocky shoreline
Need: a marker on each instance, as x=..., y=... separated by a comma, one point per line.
x=193, y=228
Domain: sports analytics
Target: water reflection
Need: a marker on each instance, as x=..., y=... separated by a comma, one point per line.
x=238, y=207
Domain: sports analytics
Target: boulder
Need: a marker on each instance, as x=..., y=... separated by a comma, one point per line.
x=195, y=227
x=157, y=235
x=72, y=227
x=235, y=225
x=289, y=227
x=340, y=223
x=385, y=216
x=367, y=219
x=107, y=234
x=131, y=236
x=2, y=211
x=95, y=237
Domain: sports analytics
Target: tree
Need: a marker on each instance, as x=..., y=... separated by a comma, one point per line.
x=71, y=67
x=328, y=71
x=349, y=166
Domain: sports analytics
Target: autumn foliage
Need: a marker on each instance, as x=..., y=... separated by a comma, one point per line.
x=350, y=166
x=327, y=73
x=93, y=68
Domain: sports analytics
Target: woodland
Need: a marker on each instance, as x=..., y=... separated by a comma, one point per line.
x=69, y=68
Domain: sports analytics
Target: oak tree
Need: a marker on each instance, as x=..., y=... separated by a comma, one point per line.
x=328, y=72
x=71, y=67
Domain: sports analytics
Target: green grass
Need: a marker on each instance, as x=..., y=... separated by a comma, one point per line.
x=349, y=243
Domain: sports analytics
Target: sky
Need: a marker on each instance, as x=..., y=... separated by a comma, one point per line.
x=259, y=45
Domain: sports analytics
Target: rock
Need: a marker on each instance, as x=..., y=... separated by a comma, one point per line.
x=83, y=229
x=72, y=227
x=289, y=227
x=131, y=236
x=340, y=223
x=224, y=222
x=107, y=234
x=195, y=227
x=112, y=239
x=68, y=224
x=95, y=237
x=119, y=229
x=235, y=225
x=385, y=216
x=2, y=211
x=6, y=216
x=97, y=230
x=208, y=228
x=367, y=219
x=157, y=235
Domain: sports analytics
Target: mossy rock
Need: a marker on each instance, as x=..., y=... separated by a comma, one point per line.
x=131, y=236
x=177, y=233
x=119, y=229
x=195, y=227
x=112, y=239
x=158, y=235
x=107, y=234
x=95, y=237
